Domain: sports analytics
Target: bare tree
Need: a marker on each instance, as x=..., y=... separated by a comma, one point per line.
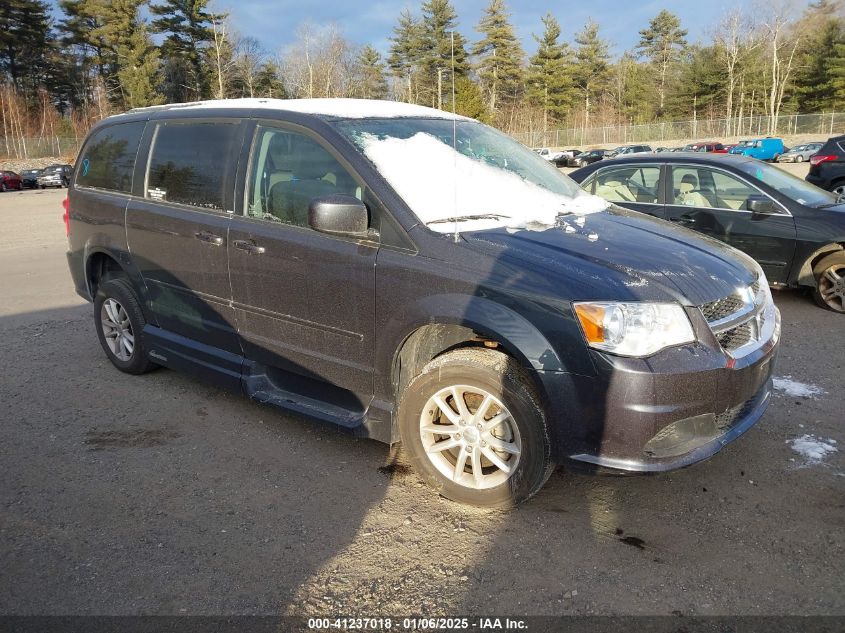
x=249, y=57
x=783, y=35
x=221, y=55
x=735, y=41
x=321, y=63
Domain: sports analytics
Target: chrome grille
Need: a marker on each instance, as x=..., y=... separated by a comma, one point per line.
x=726, y=306
x=736, y=320
x=736, y=337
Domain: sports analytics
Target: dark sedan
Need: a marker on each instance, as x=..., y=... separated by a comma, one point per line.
x=794, y=230
x=587, y=158
x=30, y=178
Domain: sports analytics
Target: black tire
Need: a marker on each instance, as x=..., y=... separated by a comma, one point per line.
x=834, y=263
x=799, y=158
x=3, y=187
x=121, y=291
x=502, y=377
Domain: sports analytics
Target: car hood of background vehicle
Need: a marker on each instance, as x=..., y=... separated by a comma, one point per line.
x=621, y=255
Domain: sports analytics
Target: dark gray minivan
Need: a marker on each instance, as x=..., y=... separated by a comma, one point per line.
x=407, y=274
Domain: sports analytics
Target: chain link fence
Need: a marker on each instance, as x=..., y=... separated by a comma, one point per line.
x=663, y=133
x=23, y=148
x=820, y=125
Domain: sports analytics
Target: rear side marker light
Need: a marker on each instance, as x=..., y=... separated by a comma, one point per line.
x=66, y=215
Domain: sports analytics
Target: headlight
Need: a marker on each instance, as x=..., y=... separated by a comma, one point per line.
x=633, y=329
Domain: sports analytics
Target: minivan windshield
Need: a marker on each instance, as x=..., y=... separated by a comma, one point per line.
x=789, y=185
x=481, y=178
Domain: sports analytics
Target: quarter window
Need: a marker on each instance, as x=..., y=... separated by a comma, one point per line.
x=189, y=163
x=289, y=170
x=627, y=184
x=109, y=159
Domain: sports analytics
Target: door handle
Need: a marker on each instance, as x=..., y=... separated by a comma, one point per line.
x=211, y=238
x=683, y=220
x=249, y=246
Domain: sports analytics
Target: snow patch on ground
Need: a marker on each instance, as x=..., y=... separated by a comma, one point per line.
x=455, y=184
x=812, y=448
x=795, y=388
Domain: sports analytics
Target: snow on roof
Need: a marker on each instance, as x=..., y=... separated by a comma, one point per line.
x=341, y=108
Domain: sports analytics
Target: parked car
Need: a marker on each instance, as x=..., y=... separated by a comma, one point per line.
x=827, y=166
x=768, y=149
x=587, y=158
x=628, y=149
x=557, y=158
x=497, y=320
x=709, y=146
x=10, y=180
x=800, y=153
x=30, y=178
x=795, y=231
x=55, y=176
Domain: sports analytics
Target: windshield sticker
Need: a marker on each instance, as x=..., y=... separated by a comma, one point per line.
x=157, y=194
x=86, y=164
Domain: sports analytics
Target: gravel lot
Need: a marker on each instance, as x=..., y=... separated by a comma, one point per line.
x=163, y=495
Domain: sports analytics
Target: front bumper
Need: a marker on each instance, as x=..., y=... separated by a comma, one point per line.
x=50, y=182
x=664, y=412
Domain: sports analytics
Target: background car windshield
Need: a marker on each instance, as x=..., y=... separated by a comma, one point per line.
x=787, y=184
x=472, y=139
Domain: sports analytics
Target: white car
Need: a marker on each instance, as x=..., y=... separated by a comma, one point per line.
x=551, y=156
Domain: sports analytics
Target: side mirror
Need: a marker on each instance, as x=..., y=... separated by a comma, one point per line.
x=339, y=214
x=761, y=205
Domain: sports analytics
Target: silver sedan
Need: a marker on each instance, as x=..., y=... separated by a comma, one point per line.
x=800, y=153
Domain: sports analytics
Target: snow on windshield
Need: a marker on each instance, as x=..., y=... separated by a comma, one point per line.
x=439, y=183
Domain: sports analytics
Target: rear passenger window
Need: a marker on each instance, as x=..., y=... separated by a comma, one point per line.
x=109, y=159
x=189, y=163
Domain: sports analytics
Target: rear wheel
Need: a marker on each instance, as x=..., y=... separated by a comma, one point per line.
x=838, y=189
x=3, y=187
x=120, y=325
x=830, y=282
x=474, y=429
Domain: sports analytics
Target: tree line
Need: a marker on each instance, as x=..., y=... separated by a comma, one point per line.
x=97, y=57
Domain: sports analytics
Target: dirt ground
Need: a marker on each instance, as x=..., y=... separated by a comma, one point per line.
x=163, y=495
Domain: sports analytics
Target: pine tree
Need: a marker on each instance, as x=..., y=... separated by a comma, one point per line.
x=268, y=82
x=469, y=101
x=371, y=83
x=187, y=26
x=405, y=53
x=500, y=57
x=550, y=73
x=591, y=70
x=662, y=43
x=25, y=43
x=440, y=52
x=819, y=64
x=124, y=34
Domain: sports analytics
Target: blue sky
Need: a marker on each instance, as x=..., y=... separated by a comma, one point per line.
x=274, y=22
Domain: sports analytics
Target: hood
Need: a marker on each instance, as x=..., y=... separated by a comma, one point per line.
x=622, y=255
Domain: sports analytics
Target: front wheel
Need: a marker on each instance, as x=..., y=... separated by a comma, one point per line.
x=799, y=159
x=830, y=282
x=475, y=430
x=120, y=327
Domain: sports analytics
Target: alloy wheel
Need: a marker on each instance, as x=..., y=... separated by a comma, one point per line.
x=839, y=191
x=832, y=287
x=117, y=329
x=470, y=437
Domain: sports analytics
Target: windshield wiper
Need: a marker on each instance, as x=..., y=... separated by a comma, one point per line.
x=480, y=216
